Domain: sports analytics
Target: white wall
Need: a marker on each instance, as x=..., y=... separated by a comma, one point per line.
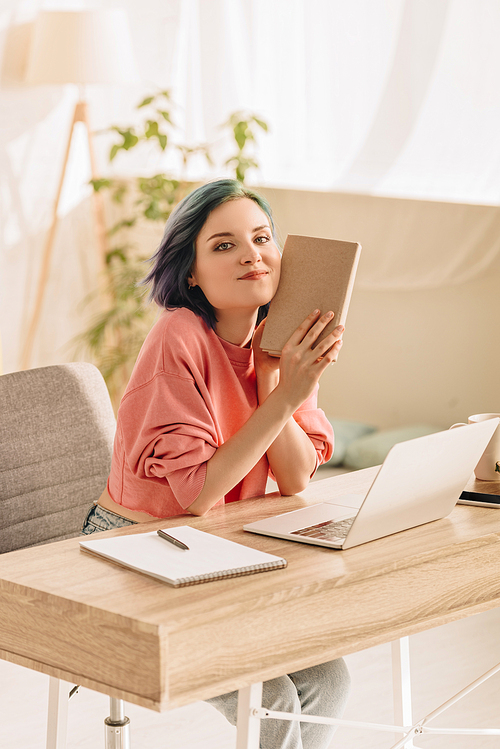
x=420, y=347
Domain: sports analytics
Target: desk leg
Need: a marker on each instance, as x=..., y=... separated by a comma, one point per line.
x=57, y=719
x=401, y=684
x=248, y=725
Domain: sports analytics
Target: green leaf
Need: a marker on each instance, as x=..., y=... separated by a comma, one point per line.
x=118, y=252
x=162, y=139
x=130, y=139
x=152, y=211
x=165, y=115
x=146, y=101
x=241, y=134
x=261, y=124
x=151, y=129
x=114, y=150
x=241, y=164
x=98, y=184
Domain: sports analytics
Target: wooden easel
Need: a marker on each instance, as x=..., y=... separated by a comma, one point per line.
x=80, y=115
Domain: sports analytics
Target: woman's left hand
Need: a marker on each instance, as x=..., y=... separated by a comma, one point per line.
x=263, y=362
x=267, y=368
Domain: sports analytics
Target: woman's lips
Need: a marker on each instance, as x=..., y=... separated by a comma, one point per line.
x=254, y=275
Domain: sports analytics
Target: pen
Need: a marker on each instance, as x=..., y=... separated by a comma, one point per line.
x=172, y=540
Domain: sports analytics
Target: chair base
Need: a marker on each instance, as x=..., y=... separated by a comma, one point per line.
x=117, y=726
x=117, y=736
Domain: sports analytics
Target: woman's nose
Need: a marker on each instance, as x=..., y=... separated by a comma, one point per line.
x=251, y=254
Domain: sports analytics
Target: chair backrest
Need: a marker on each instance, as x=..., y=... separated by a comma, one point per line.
x=56, y=438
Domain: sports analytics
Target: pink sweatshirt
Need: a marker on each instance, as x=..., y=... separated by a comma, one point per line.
x=189, y=392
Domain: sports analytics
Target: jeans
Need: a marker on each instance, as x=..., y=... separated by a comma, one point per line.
x=320, y=690
x=100, y=519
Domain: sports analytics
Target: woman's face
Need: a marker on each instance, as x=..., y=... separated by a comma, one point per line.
x=237, y=262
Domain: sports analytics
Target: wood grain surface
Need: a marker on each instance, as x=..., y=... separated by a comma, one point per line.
x=86, y=620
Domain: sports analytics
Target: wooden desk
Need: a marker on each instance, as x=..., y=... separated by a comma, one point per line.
x=90, y=622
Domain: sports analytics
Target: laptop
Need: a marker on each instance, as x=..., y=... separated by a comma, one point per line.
x=419, y=481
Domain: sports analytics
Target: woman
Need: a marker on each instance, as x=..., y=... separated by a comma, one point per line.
x=207, y=415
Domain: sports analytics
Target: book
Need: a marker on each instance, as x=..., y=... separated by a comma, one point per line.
x=316, y=273
x=208, y=558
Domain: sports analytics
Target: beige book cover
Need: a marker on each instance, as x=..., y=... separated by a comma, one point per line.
x=315, y=274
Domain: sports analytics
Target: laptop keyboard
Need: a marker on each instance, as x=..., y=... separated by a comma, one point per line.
x=331, y=530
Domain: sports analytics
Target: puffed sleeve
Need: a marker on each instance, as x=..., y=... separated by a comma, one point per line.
x=169, y=434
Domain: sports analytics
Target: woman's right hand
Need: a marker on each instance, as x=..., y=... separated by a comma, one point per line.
x=301, y=365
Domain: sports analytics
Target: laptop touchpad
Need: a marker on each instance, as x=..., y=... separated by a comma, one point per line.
x=292, y=521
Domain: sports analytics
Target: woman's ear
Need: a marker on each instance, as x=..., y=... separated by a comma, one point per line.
x=191, y=282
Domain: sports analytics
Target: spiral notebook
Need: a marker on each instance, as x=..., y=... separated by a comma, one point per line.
x=208, y=558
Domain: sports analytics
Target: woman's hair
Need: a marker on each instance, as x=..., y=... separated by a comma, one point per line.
x=174, y=258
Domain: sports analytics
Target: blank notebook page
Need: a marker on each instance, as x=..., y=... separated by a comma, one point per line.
x=209, y=557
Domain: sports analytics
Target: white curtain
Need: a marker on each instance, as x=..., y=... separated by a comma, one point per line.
x=394, y=99
x=387, y=97
x=367, y=99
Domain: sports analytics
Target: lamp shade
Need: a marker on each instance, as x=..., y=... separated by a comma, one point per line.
x=90, y=46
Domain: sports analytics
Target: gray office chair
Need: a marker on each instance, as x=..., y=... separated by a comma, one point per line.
x=56, y=437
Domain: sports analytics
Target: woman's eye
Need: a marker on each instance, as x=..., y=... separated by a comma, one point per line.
x=223, y=246
x=263, y=239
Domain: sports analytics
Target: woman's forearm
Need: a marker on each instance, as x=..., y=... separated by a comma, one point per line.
x=292, y=455
x=234, y=459
x=292, y=458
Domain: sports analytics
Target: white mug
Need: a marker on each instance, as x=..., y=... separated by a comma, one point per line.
x=488, y=468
